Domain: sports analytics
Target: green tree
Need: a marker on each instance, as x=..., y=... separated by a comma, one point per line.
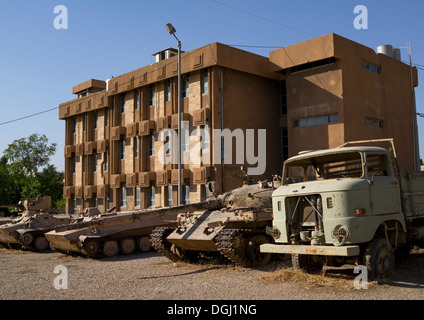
x=21, y=162
x=27, y=155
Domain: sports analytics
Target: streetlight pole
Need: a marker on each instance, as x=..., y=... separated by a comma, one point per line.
x=171, y=31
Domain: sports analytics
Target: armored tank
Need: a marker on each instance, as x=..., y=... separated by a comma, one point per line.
x=28, y=230
x=98, y=235
x=234, y=230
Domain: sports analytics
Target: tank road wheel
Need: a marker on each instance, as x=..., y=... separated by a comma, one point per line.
x=144, y=244
x=128, y=246
x=41, y=243
x=379, y=259
x=305, y=262
x=27, y=238
x=91, y=248
x=110, y=248
x=253, y=253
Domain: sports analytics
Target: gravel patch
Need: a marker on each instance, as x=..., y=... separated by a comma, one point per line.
x=29, y=275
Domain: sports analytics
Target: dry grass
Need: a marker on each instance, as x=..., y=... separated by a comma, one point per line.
x=337, y=279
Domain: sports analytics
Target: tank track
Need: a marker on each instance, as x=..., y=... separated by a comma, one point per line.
x=231, y=243
x=160, y=244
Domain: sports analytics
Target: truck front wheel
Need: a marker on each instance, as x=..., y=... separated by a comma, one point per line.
x=378, y=259
x=305, y=262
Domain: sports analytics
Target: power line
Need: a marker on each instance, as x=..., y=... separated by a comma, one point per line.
x=263, y=18
x=29, y=116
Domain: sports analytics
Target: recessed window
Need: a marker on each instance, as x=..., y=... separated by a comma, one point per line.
x=137, y=100
x=96, y=120
x=151, y=95
x=371, y=67
x=205, y=81
x=185, y=85
x=137, y=196
x=123, y=195
x=168, y=90
x=122, y=149
x=374, y=122
x=122, y=103
x=136, y=146
x=152, y=194
x=314, y=121
x=151, y=147
x=169, y=194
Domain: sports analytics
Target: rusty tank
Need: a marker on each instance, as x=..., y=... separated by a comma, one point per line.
x=235, y=229
x=28, y=230
x=98, y=235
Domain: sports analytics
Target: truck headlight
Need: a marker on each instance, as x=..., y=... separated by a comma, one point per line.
x=340, y=234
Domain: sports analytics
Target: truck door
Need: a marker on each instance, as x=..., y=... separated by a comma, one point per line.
x=384, y=187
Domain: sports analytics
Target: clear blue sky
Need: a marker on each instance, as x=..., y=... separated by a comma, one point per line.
x=39, y=64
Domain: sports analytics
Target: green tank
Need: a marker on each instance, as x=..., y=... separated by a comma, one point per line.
x=234, y=229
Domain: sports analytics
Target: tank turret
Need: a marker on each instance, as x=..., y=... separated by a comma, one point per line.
x=235, y=228
x=28, y=230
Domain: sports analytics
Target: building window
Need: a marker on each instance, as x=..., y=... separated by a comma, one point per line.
x=152, y=194
x=185, y=85
x=122, y=149
x=151, y=146
x=106, y=118
x=136, y=147
x=137, y=99
x=313, y=64
x=186, y=192
x=205, y=81
x=123, y=195
x=137, y=196
x=107, y=202
x=106, y=162
x=205, y=136
x=283, y=98
x=168, y=90
x=371, y=67
x=74, y=164
x=374, y=122
x=169, y=194
x=74, y=125
x=96, y=120
x=74, y=205
x=284, y=144
x=151, y=95
x=122, y=104
x=314, y=121
x=95, y=162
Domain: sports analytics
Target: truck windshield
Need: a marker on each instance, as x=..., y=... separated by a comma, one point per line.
x=330, y=166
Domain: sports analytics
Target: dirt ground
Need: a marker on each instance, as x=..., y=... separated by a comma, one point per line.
x=26, y=275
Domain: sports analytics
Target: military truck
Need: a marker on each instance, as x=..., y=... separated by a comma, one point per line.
x=347, y=205
x=28, y=230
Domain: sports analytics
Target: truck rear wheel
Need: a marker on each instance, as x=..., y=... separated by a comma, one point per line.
x=379, y=259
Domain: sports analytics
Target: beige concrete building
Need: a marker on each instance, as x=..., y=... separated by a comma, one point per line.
x=312, y=95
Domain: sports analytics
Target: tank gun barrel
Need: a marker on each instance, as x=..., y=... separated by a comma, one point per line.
x=212, y=204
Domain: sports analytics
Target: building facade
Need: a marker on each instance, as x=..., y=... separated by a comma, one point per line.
x=119, y=149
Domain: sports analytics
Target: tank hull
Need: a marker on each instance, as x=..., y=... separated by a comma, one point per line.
x=29, y=233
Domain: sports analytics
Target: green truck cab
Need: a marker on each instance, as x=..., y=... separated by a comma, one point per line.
x=346, y=205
